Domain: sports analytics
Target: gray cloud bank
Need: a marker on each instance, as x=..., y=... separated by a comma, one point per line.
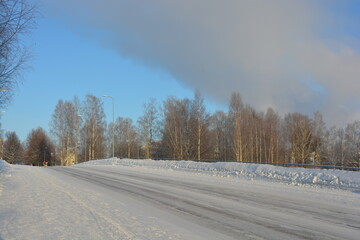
x=289, y=55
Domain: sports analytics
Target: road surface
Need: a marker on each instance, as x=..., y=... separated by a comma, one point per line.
x=108, y=202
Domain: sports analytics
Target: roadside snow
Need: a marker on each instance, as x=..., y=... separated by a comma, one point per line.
x=40, y=203
x=4, y=172
x=4, y=167
x=293, y=176
x=146, y=199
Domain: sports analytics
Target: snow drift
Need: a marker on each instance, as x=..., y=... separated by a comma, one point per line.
x=294, y=176
x=4, y=172
x=4, y=168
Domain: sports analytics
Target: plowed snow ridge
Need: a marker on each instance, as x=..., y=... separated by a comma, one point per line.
x=294, y=176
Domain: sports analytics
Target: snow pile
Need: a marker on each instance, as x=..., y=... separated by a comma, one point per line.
x=294, y=176
x=4, y=172
x=4, y=168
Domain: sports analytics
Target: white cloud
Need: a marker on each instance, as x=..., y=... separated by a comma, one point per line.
x=269, y=51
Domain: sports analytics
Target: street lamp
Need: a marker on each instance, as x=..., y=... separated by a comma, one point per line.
x=113, y=120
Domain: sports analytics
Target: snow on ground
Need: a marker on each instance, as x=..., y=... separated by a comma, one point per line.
x=4, y=168
x=146, y=199
x=38, y=203
x=4, y=172
x=294, y=176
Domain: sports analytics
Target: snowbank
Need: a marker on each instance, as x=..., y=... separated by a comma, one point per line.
x=4, y=172
x=4, y=167
x=294, y=176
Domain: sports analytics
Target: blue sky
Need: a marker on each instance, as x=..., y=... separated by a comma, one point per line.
x=66, y=64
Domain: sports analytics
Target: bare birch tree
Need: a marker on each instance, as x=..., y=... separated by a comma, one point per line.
x=235, y=115
x=148, y=126
x=126, y=139
x=272, y=133
x=57, y=129
x=176, y=130
x=221, y=134
x=200, y=121
x=352, y=139
x=16, y=19
x=63, y=126
x=318, y=136
x=299, y=134
x=94, y=126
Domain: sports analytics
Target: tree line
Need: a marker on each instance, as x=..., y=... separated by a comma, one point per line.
x=184, y=129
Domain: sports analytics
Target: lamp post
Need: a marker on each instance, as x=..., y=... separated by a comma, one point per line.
x=113, y=120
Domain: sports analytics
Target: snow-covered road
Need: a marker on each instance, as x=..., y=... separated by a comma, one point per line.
x=118, y=202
